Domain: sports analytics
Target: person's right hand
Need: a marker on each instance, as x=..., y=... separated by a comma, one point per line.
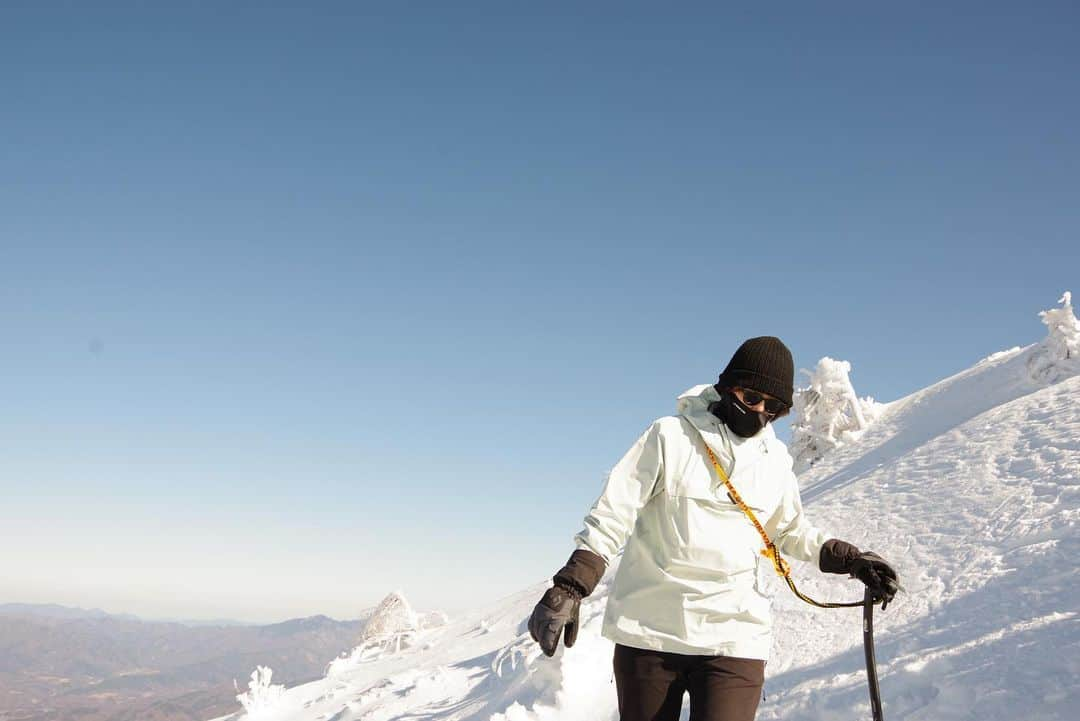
x=876, y=573
x=556, y=612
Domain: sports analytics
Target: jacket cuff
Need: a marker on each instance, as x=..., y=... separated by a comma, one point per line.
x=836, y=556
x=582, y=572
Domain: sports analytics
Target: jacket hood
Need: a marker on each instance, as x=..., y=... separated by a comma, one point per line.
x=693, y=405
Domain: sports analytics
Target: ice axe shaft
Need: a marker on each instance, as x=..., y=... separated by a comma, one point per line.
x=871, y=661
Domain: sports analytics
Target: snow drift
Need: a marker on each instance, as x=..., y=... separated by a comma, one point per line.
x=971, y=486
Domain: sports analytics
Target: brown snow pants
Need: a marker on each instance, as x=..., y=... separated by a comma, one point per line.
x=650, y=685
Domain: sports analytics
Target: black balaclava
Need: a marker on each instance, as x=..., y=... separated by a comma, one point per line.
x=763, y=364
x=743, y=421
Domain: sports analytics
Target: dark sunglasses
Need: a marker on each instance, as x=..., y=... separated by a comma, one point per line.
x=772, y=405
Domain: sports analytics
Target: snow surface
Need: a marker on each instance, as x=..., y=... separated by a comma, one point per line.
x=970, y=486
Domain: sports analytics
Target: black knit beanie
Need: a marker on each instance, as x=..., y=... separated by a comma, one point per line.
x=763, y=364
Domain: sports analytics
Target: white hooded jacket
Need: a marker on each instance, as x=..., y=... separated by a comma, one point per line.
x=688, y=579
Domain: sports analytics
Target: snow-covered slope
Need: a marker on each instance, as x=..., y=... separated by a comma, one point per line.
x=972, y=488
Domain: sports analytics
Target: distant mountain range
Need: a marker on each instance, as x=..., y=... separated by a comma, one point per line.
x=53, y=610
x=58, y=663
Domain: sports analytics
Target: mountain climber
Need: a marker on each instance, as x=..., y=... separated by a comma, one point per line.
x=686, y=608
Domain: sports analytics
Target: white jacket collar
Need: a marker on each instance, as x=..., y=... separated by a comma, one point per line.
x=693, y=405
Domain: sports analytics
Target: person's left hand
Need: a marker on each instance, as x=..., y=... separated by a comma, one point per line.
x=556, y=613
x=878, y=575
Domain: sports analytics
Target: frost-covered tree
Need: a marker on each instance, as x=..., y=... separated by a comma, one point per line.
x=261, y=696
x=393, y=617
x=1057, y=356
x=393, y=625
x=827, y=413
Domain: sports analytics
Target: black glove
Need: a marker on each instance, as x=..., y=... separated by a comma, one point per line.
x=556, y=612
x=878, y=576
x=842, y=557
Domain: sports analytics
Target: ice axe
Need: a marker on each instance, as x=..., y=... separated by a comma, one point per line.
x=868, y=646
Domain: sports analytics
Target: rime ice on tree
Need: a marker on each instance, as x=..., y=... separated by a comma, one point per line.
x=261, y=696
x=392, y=626
x=1057, y=356
x=393, y=618
x=827, y=413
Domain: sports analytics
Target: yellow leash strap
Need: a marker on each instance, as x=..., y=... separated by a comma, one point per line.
x=770, y=551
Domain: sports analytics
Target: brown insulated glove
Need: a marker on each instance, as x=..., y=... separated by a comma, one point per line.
x=874, y=571
x=557, y=613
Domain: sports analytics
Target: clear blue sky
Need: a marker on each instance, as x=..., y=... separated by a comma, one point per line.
x=303, y=304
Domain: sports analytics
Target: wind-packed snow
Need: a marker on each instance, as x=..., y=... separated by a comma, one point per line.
x=970, y=486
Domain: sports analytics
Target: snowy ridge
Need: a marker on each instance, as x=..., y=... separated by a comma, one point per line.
x=982, y=523
x=970, y=486
x=909, y=422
